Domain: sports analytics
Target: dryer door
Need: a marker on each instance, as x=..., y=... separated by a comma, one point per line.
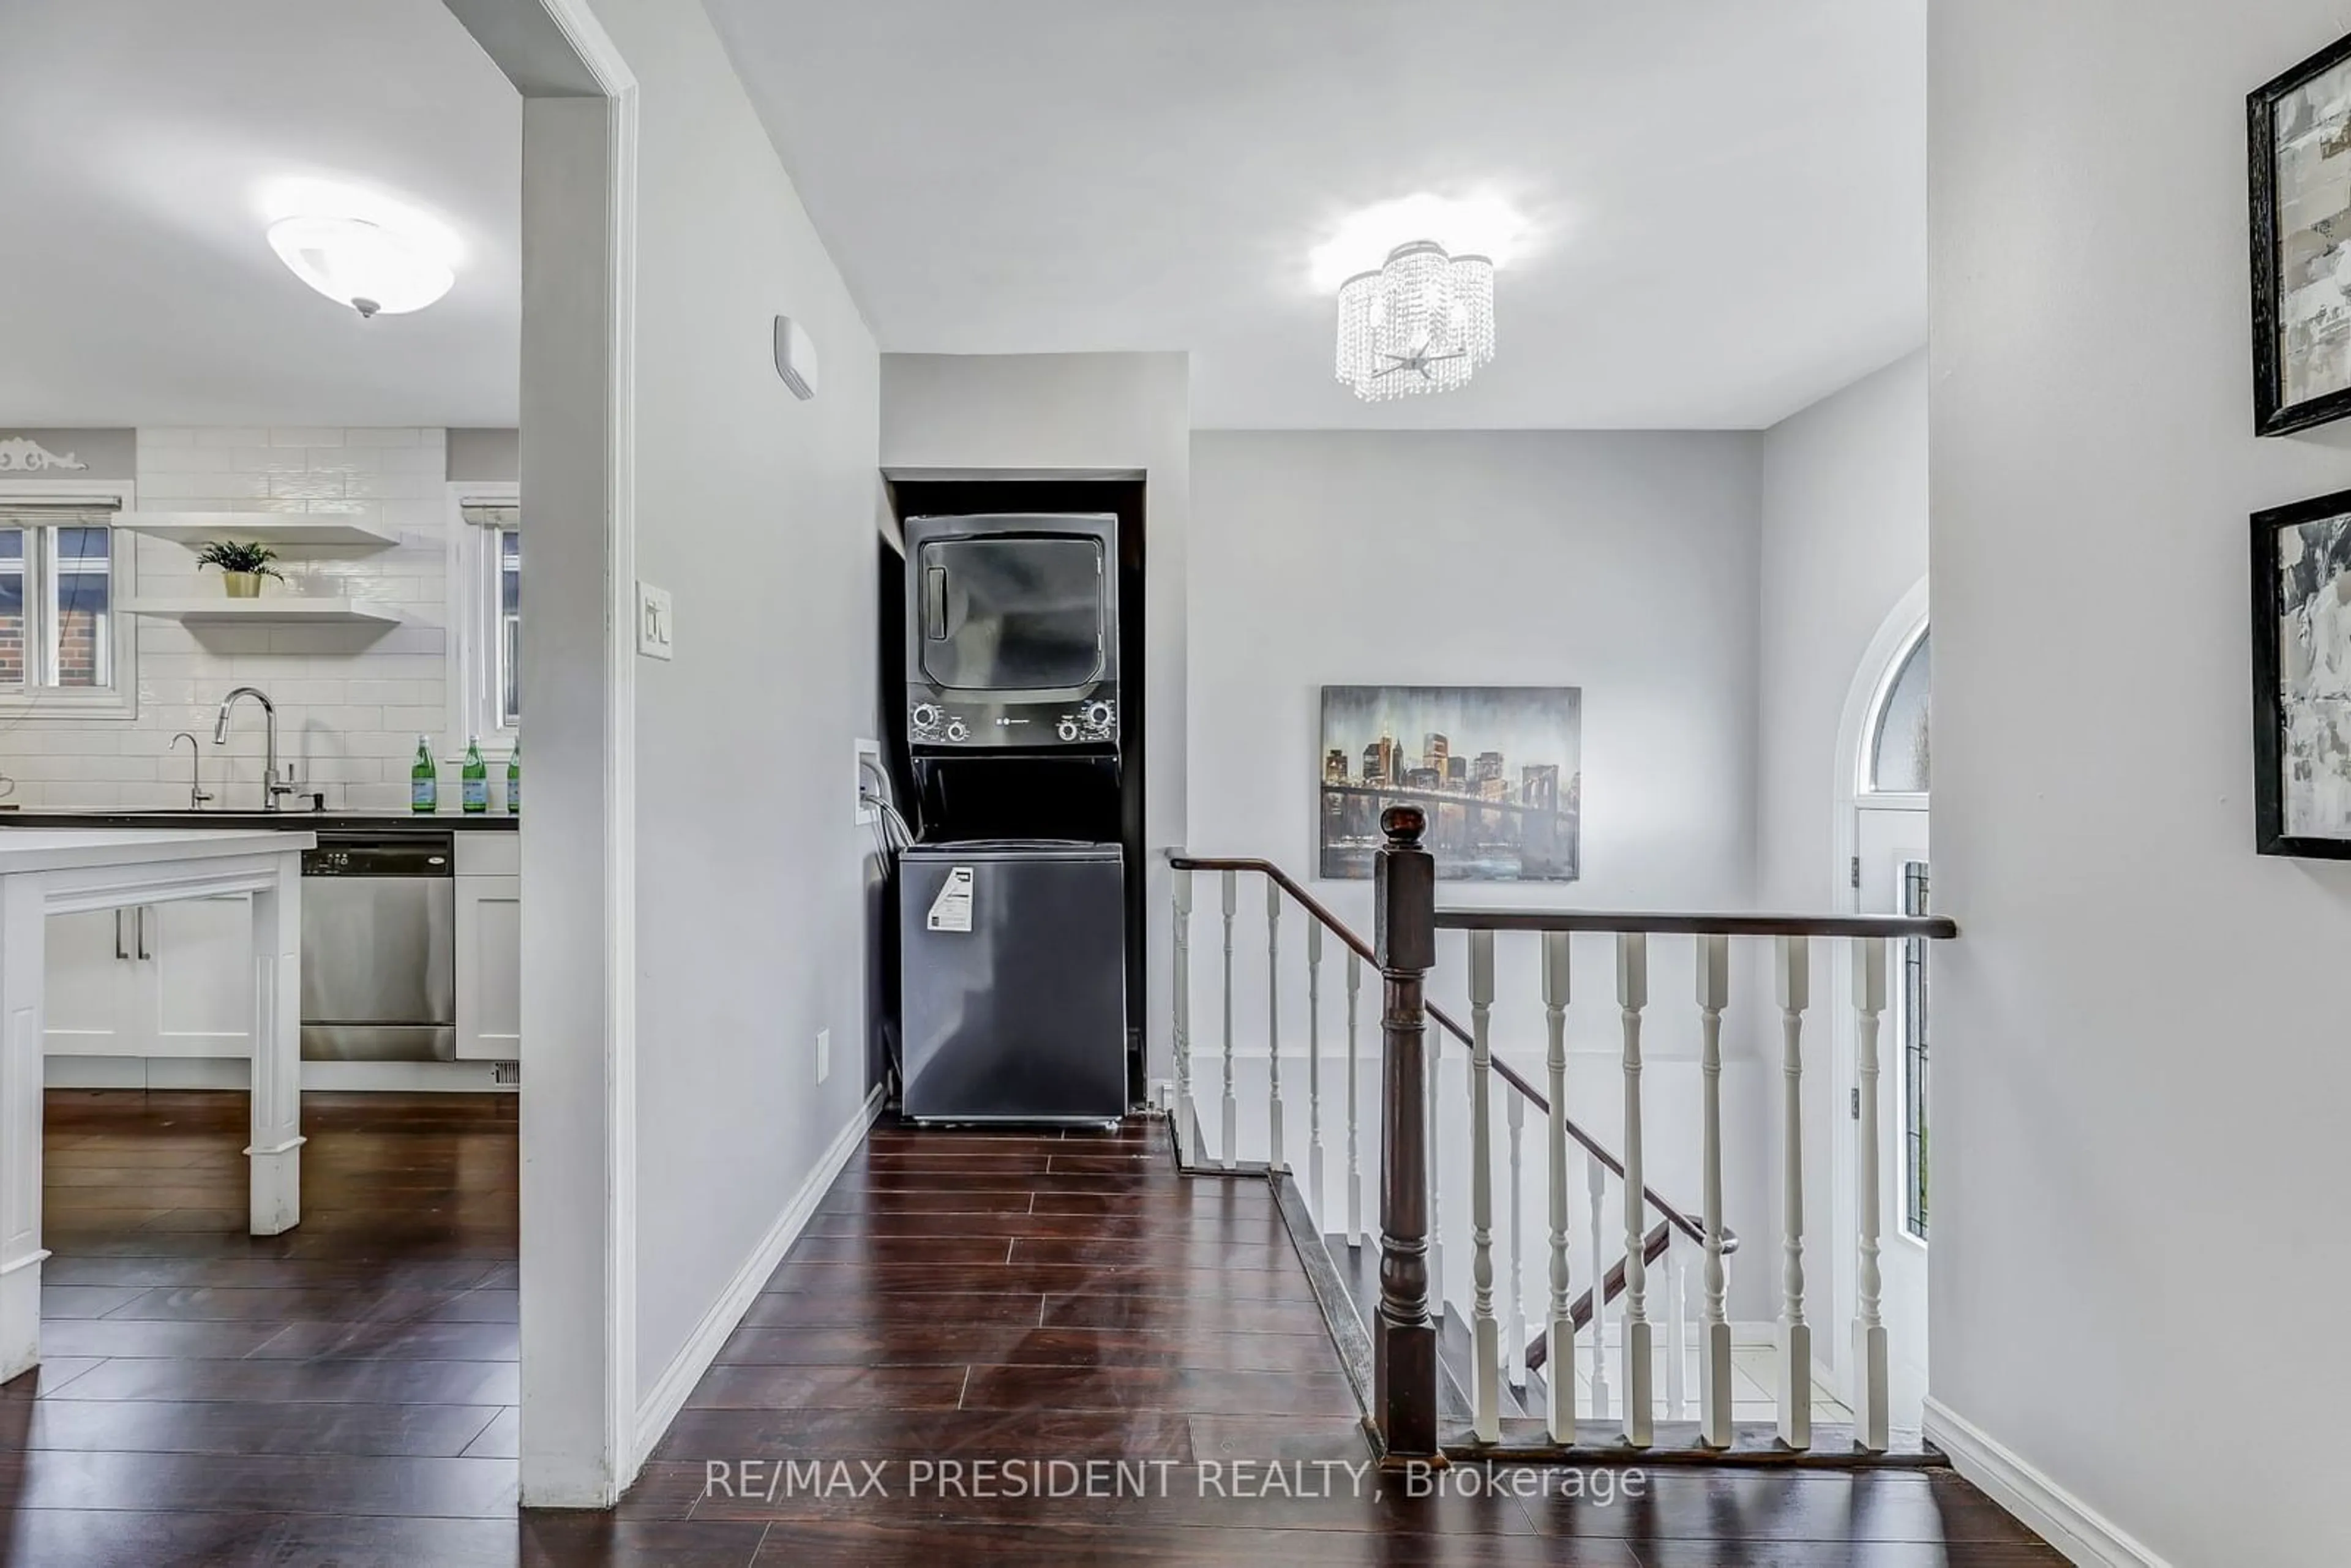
x=1012, y=613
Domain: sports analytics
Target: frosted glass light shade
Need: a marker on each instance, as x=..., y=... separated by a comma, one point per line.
x=365, y=265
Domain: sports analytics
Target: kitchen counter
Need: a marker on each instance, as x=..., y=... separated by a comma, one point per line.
x=281, y=821
x=89, y=866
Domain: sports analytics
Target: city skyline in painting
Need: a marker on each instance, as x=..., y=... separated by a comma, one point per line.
x=1499, y=769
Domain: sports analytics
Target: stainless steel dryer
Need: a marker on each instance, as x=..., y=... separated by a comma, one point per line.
x=1012, y=631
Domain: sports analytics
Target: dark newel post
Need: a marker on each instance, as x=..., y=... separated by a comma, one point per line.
x=1403, y=1340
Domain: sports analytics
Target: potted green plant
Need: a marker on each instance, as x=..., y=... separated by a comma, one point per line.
x=241, y=566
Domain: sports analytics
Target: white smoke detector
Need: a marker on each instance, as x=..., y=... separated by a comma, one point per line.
x=796, y=358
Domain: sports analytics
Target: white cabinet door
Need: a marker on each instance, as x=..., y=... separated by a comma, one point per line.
x=197, y=955
x=489, y=968
x=92, y=981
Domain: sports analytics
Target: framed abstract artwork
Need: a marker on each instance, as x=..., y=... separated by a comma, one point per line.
x=2302, y=678
x=1499, y=769
x=2299, y=157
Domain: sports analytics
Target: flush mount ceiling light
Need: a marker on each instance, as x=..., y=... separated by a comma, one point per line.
x=374, y=255
x=1421, y=319
x=1423, y=323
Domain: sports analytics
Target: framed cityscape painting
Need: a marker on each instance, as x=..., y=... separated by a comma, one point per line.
x=2299, y=127
x=1499, y=769
x=2302, y=678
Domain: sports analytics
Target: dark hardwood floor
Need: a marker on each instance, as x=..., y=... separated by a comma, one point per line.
x=340, y=1394
x=344, y=1394
x=1024, y=1299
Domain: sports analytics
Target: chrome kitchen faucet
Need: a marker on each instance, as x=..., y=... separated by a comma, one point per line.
x=271, y=786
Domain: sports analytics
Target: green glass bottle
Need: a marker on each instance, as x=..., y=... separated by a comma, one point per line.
x=424, y=780
x=474, y=781
x=514, y=779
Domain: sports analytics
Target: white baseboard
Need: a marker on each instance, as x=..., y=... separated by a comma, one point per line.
x=668, y=1393
x=234, y=1075
x=2072, y=1526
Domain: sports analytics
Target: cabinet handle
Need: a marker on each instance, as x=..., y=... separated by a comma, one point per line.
x=142, y=933
x=118, y=935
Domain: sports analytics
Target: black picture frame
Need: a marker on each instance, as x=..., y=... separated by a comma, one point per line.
x=2270, y=835
x=2273, y=416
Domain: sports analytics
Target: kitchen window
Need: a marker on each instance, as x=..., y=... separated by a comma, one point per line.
x=65, y=644
x=486, y=561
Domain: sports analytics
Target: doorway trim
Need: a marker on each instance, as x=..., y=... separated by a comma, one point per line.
x=580, y=1446
x=1871, y=679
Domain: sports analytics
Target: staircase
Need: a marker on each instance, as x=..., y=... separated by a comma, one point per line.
x=1475, y=1362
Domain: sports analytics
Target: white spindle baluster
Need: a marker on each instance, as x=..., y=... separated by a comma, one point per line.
x=1436, y=1180
x=1714, y=1366
x=1677, y=1331
x=1558, y=1328
x=1595, y=1176
x=1314, y=1073
x=1232, y=1128
x=1517, y=1323
x=1183, y=989
x=1485, y=1336
x=1871, y=1412
x=1640, y=1361
x=1355, y=1131
x=1273, y=1161
x=1792, y=974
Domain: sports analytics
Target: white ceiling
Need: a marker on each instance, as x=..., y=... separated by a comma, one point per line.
x=141, y=289
x=1730, y=197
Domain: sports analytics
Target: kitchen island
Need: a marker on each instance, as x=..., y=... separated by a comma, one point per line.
x=65, y=871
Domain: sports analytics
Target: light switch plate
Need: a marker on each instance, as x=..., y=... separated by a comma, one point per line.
x=823, y=1054
x=653, y=622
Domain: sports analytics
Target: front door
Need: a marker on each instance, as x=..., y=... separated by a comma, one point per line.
x=1892, y=845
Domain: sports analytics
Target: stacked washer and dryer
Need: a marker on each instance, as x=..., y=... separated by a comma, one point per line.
x=1012, y=902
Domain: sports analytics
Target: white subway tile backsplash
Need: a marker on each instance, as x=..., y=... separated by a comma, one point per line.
x=271, y=460
x=191, y=487
x=389, y=486
x=350, y=701
x=307, y=485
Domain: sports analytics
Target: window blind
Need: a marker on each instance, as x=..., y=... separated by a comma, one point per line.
x=492, y=515
x=58, y=515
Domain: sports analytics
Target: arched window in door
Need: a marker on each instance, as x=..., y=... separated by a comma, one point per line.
x=1900, y=762
x=1899, y=777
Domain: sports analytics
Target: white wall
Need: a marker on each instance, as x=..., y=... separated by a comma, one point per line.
x=2139, y=1075
x=755, y=511
x=1624, y=564
x=1845, y=539
x=1112, y=412
x=350, y=700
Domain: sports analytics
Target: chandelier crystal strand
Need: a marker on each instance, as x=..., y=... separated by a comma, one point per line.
x=1424, y=322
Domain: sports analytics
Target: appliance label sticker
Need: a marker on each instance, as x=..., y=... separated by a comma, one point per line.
x=951, y=910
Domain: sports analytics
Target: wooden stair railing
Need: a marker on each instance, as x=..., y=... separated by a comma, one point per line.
x=1656, y=1245
x=1331, y=922
x=1403, y=1331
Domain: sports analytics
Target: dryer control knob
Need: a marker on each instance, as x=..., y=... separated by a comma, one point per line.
x=958, y=730
x=1067, y=729
x=926, y=716
x=1098, y=715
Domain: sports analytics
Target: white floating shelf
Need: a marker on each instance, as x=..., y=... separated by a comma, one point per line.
x=285, y=610
x=283, y=529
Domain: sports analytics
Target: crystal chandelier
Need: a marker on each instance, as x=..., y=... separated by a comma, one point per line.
x=1423, y=323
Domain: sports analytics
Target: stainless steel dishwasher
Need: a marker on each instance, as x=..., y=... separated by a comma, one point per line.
x=379, y=949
